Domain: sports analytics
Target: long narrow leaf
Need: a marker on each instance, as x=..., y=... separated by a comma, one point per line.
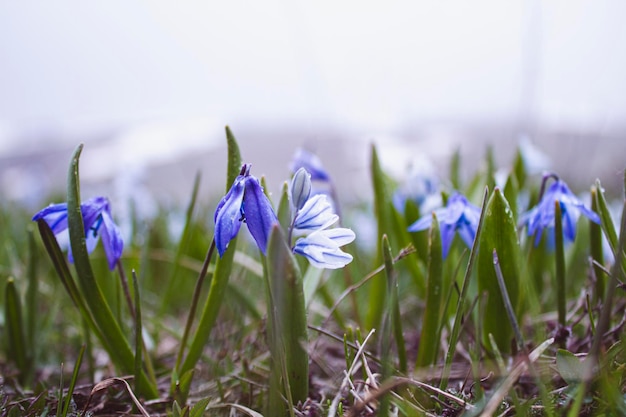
x=221, y=274
x=15, y=328
x=288, y=315
x=117, y=345
x=429, y=343
x=458, y=318
x=499, y=233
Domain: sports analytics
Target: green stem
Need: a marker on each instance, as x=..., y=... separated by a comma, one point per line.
x=560, y=266
x=458, y=319
x=194, y=302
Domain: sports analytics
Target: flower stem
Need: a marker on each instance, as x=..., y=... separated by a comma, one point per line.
x=507, y=302
x=126, y=290
x=560, y=265
x=194, y=302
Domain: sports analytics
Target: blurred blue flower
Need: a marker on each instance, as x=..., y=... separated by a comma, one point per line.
x=459, y=215
x=97, y=221
x=323, y=247
x=542, y=215
x=310, y=162
x=420, y=186
x=244, y=202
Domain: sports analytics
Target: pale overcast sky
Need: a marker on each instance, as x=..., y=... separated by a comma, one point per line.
x=349, y=63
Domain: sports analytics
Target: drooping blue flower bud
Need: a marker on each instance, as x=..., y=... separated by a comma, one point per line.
x=244, y=202
x=97, y=221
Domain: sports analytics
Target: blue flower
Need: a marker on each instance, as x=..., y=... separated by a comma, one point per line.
x=541, y=216
x=97, y=221
x=421, y=186
x=244, y=202
x=310, y=162
x=459, y=215
x=323, y=247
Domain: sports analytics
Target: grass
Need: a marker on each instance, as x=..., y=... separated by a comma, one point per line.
x=502, y=328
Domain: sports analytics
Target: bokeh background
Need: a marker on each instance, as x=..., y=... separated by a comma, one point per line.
x=148, y=86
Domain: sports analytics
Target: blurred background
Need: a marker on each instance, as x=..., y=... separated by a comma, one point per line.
x=148, y=86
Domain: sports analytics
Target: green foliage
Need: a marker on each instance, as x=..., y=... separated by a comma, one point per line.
x=429, y=337
x=287, y=323
x=499, y=233
x=243, y=333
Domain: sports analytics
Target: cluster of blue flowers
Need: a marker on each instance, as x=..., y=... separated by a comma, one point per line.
x=245, y=202
x=459, y=215
x=542, y=215
x=313, y=216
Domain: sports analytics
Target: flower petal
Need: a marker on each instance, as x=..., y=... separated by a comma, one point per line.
x=317, y=213
x=55, y=215
x=228, y=216
x=322, y=251
x=111, y=239
x=258, y=211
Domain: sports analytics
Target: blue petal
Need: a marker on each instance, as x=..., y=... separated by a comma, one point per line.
x=447, y=235
x=316, y=214
x=228, y=215
x=91, y=211
x=569, y=217
x=258, y=211
x=55, y=215
x=468, y=233
x=421, y=224
x=111, y=239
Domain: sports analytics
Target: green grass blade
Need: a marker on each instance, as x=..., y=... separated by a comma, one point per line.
x=221, y=274
x=70, y=391
x=138, y=335
x=458, y=318
x=510, y=312
x=32, y=291
x=559, y=255
x=287, y=311
x=117, y=346
x=391, y=223
x=234, y=158
x=597, y=253
x=284, y=211
x=15, y=329
x=182, y=247
x=606, y=222
x=429, y=343
x=500, y=233
x=384, y=220
x=386, y=331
